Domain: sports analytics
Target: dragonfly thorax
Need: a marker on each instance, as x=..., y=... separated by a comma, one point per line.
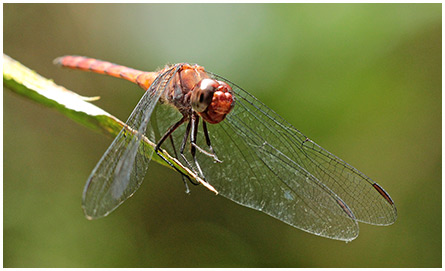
x=192, y=90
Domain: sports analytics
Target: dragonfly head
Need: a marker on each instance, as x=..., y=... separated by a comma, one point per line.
x=212, y=100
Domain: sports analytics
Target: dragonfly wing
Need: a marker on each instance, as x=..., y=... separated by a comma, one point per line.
x=254, y=173
x=122, y=168
x=367, y=200
x=270, y=166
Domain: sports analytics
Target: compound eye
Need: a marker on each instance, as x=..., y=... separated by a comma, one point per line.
x=203, y=94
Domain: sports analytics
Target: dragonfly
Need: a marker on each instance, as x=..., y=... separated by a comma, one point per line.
x=241, y=150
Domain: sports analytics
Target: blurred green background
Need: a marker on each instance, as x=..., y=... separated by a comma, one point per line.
x=362, y=80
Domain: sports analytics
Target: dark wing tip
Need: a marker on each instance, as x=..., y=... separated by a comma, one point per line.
x=388, y=199
x=382, y=192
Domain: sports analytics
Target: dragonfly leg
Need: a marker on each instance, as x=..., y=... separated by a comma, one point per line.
x=206, y=134
x=183, y=144
x=194, y=125
x=163, y=138
x=169, y=132
x=212, y=152
x=187, y=190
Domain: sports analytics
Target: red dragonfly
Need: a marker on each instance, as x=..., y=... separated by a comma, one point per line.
x=244, y=150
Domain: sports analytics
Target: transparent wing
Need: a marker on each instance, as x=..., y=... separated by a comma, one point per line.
x=270, y=166
x=259, y=131
x=120, y=171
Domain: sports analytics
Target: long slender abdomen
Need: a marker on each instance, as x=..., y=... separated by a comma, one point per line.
x=143, y=79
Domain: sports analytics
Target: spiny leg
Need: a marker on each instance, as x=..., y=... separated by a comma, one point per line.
x=194, y=124
x=183, y=144
x=163, y=138
x=187, y=190
x=209, y=144
x=169, y=132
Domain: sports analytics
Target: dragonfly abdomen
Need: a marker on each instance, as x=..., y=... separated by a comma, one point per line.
x=143, y=79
